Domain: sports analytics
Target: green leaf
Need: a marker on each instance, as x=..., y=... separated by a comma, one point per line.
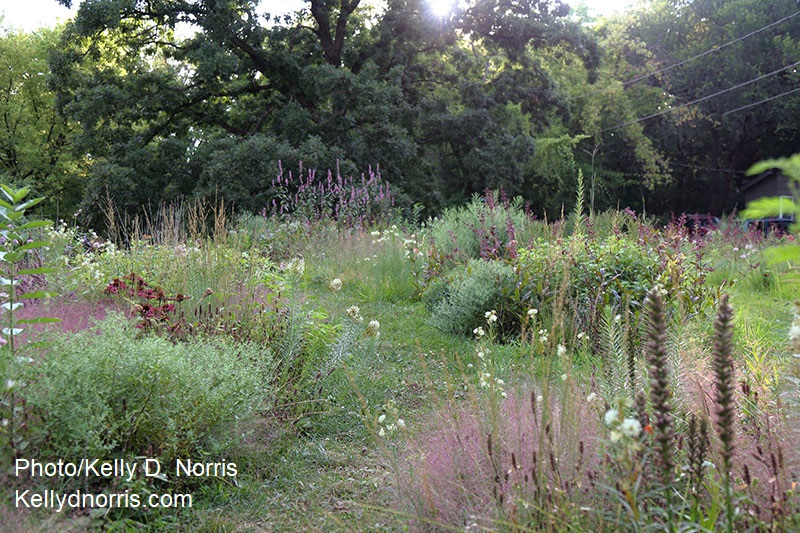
x=39, y=320
x=39, y=344
x=36, y=224
x=10, y=215
x=768, y=207
x=788, y=165
x=8, y=192
x=38, y=294
x=32, y=245
x=13, y=257
x=29, y=203
x=780, y=254
x=35, y=271
x=15, y=196
x=763, y=166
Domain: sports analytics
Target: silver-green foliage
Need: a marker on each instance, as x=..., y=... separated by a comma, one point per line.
x=111, y=392
x=458, y=304
x=619, y=376
x=487, y=227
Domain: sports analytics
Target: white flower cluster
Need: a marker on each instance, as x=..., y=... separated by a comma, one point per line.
x=412, y=248
x=184, y=250
x=487, y=378
x=487, y=381
x=88, y=269
x=61, y=232
x=627, y=428
x=296, y=267
x=385, y=235
x=355, y=314
x=373, y=329
x=335, y=285
x=543, y=336
x=389, y=421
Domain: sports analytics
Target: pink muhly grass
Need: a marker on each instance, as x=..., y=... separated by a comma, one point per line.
x=461, y=471
x=74, y=316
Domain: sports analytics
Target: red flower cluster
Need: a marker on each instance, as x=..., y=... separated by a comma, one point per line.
x=154, y=307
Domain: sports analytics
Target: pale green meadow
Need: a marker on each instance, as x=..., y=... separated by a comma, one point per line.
x=478, y=371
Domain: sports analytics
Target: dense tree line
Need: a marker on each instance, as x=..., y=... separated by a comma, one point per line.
x=150, y=100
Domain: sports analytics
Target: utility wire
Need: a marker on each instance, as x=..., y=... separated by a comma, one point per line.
x=710, y=51
x=760, y=102
x=698, y=56
x=727, y=171
x=698, y=100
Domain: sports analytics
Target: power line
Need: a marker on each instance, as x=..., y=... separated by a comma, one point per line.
x=728, y=171
x=698, y=56
x=709, y=51
x=760, y=102
x=698, y=100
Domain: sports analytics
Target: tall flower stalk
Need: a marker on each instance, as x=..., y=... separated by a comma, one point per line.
x=724, y=382
x=660, y=393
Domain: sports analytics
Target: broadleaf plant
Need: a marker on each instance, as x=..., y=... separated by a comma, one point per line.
x=18, y=259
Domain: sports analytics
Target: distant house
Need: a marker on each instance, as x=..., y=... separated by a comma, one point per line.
x=770, y=183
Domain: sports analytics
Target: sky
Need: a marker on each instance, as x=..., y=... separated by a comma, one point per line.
x=30, y=15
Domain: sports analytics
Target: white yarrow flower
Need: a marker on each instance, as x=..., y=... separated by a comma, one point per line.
x=355, y=313
x=630, y=427
x=373, y=328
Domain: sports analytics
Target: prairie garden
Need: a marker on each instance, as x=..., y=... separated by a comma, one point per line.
x=195, y=338
x=481, y=370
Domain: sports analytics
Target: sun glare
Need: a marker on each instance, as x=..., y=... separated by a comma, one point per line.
x=441, y=8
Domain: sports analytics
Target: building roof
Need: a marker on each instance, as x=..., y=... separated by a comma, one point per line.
x=761, y=177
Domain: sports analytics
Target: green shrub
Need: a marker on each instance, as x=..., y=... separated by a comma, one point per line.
x=459, y=303
x=588, y=275
x=488, y=228
x=614, y=271
x=113, y=393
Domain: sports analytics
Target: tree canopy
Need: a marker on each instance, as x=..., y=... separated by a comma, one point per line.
x=167, y=99
x=34, y=140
